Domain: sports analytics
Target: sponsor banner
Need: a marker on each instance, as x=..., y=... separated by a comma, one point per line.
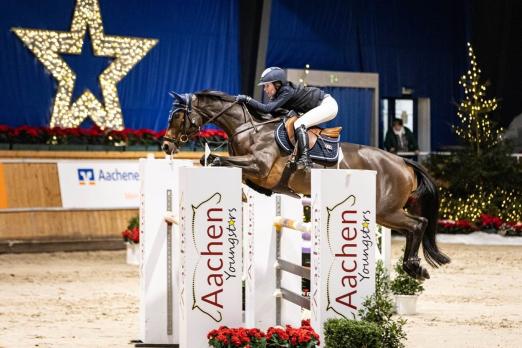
x=343, y=237
x=211, y=255
x=159, y=251
x=99, y=184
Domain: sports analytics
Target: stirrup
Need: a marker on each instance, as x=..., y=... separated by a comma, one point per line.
x=304, y=162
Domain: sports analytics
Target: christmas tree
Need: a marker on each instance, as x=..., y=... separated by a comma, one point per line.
x=483, y=177
x=476, y=129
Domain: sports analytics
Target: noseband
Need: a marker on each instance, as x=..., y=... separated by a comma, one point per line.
x=186, y=133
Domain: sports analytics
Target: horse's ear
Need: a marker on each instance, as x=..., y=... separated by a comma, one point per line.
x=176, y=96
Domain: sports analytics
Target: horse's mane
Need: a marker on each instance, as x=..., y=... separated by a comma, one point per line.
x=212, y=93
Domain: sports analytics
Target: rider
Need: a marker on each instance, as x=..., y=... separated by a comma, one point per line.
x=313, y=104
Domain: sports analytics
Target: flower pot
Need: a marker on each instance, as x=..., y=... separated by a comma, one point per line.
x=406, y=304
x=133, y=254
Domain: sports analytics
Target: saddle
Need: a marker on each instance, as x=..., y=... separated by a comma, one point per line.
x=313, y=132
x=323, y=143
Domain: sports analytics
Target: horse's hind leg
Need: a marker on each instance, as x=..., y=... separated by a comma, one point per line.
x=413, y=227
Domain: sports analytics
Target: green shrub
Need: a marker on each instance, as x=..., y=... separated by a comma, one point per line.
x=376, y=327
x=403, y=284
x=378, y=309
x=345, y=333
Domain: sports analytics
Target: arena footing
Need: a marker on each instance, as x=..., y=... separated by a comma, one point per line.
x=138, y=343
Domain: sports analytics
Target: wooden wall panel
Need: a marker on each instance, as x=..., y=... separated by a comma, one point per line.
x=64, y=225
x=32, y=185
x=13, y=154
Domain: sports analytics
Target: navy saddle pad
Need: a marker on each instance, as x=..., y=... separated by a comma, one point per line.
x=326, y=149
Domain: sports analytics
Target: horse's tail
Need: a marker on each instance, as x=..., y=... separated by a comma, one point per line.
x=427, y=198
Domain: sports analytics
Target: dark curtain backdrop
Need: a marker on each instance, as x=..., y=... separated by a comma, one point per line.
x=418, y=44
x=497, y=37
x=198, y=48
x=355, y=113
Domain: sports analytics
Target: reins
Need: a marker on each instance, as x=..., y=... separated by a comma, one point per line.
x=185, y=135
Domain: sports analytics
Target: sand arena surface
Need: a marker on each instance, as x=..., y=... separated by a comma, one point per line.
x=90, y=299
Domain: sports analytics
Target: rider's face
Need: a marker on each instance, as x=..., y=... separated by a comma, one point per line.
x=270, y=89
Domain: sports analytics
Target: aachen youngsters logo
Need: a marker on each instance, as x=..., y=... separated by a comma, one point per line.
x=219, y=258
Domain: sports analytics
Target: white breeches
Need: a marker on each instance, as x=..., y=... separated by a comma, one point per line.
x=326, y=111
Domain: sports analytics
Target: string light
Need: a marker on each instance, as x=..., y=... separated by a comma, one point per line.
x=47, y=46
x=476, y=128
x=480, y=133
x=470, y=207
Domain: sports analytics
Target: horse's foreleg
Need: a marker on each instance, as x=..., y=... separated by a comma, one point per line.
x=247, y=163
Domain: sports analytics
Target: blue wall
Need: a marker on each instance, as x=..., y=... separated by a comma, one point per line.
x=197, y=49
x=419, y=44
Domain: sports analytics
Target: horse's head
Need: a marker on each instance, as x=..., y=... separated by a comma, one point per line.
x=183, y=122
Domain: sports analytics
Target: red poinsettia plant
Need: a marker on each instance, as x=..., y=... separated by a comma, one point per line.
x=276, y=337
x=455, y=226
x=225, y=337
x=132, y=233
x=91, y=136
x=484, y=222
x=303, y=337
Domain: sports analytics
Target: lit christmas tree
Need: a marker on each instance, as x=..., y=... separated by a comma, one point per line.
x=476, y=129
x=482, y=177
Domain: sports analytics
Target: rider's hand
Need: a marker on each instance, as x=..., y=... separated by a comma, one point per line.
x=241, y=98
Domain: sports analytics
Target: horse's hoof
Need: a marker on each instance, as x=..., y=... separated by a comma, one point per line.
x=215, y=162
x=421, y=273
x=414, y=270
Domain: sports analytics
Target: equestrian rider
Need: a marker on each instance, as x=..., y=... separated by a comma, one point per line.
x=311, y=103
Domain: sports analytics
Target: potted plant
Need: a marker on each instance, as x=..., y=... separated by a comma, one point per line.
x=275, y=337
x=406, y=290
x=131, y=236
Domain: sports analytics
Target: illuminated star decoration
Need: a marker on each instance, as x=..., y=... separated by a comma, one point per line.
x=47, y=45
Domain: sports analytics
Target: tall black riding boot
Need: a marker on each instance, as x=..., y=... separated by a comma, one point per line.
x=303, y=157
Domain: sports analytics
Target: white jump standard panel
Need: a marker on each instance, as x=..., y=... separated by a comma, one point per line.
x=210, y=218
x=260, y=254
x=159, y=247
x=343, y=243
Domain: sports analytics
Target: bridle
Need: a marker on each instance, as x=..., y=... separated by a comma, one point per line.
x=187, y=109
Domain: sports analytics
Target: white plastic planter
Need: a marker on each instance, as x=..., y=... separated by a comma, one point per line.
x=406, y=304
x=133, y=253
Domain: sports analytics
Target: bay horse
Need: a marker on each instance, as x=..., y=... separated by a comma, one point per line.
x=407, y=199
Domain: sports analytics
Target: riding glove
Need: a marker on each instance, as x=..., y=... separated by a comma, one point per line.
x=241, y=98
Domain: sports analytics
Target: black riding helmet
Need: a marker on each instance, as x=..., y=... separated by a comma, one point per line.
x=272, y=74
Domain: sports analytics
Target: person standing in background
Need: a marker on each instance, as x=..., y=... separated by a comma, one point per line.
x=400, y=138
